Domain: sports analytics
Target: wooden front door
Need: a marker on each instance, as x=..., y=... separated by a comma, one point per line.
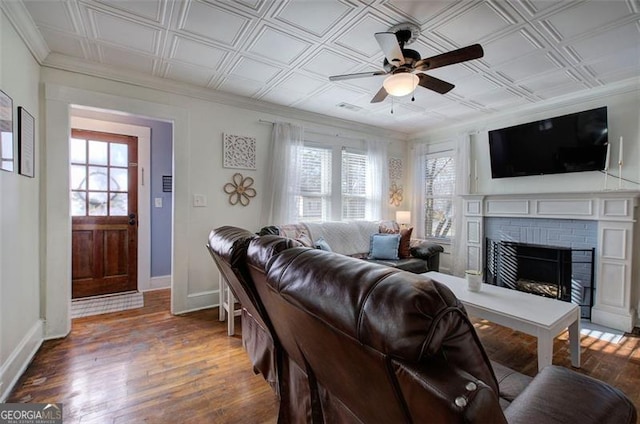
x=104, y=209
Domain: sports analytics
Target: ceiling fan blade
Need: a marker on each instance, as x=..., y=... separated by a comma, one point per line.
x=456, y=56
x=358, y=75
x=434, y=84
x=390, y=47
x=380, y=96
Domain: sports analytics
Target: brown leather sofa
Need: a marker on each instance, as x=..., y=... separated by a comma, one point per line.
x=363, y=343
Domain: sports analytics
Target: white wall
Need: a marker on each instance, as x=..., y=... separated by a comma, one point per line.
x=20, y=323
x=198, y=128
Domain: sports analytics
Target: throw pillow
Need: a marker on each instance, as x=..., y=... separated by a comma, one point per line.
x=404, y=250
x=384, y=246
x=388, y=227
x=322, y=245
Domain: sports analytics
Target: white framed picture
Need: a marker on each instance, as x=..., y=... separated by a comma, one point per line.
x=238, y=151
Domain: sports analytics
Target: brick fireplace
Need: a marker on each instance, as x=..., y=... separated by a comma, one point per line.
x=602, y=223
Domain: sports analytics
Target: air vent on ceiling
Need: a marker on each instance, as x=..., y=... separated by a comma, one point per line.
x=350, y=107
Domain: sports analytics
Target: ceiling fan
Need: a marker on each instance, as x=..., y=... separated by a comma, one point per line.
x=402, y=65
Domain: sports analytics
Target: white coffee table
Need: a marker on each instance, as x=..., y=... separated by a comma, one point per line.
x=538, y=316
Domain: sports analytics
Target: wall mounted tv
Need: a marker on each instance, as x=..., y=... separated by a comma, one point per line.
x=569, y=143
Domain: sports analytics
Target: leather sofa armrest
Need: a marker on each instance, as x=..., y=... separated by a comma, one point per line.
x=429, y=252
x=436, y=392
x=559, y=395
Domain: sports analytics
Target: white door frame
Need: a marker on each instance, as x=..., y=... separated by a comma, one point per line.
x=144, y=185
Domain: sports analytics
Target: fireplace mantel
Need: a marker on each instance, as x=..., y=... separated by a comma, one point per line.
x=616, y=273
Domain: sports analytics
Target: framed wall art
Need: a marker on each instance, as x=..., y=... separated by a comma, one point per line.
x=6, y=132
x=238, y=152
x=26, y=142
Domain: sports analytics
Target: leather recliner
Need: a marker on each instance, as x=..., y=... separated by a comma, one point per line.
x=371, y=344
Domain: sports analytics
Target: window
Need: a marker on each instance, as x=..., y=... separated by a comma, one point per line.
x=329, y=192
x=354, y=185
x=439, y=190
x=314, y=202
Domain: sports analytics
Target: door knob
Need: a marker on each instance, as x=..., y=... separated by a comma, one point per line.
x=132, y=222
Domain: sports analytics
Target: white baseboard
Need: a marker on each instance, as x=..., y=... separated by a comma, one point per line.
x=20, y=358
x=158, y=283
x=609, y=319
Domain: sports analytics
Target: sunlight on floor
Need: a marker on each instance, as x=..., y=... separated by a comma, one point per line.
x=104, y=304
x=587, y=328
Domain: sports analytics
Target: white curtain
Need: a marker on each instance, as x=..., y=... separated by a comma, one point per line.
x=282, y=185
x=463, y=186
x=419, y=171
x=377, y=181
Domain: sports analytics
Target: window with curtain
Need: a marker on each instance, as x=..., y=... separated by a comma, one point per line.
x=329, y=190
x=439, y=184
x=354, y=185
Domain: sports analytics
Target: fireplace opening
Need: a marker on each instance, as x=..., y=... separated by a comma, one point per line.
x=556, y=272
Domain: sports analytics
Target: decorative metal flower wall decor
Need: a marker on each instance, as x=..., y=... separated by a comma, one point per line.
x=240, y=190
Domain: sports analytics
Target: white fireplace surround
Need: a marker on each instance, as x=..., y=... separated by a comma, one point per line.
x=616, y=270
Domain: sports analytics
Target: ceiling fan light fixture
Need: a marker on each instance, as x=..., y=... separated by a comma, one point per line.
x=401, y=84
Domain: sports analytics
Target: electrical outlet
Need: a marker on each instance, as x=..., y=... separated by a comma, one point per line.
x=158, y=202
x=199, y=200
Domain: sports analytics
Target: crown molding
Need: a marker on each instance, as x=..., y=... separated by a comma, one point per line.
x=21, y=20
x=93, y=69
x=629, y=85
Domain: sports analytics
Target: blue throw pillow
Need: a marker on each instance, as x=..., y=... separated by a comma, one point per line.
x=322, y=245
x=384, y=246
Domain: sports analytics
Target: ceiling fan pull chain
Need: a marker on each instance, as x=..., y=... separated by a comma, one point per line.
x=392, y=105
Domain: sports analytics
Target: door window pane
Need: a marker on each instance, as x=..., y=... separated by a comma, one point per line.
x=118, y=155
x=98, y=152
x=78, y=177
x=78, y=151
x=97, y=204
x=119, y=179
x=78, y=203
x=98, y=178
x=119, y=205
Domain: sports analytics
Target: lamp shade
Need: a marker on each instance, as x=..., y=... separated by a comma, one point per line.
x=403, y=217
x=400, y=84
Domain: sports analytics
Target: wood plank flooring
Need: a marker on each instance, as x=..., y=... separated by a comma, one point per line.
x=147, y=366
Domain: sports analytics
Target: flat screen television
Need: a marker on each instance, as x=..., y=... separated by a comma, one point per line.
x=569, y=143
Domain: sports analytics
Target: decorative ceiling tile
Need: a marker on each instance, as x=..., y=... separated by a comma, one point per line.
x=196, y=53
x=240, y=86
x=524, y=67
x=300, y=84
x=509, y=47
x=52, y=14
x=277, y=46
x=327, y=63
x=126, y=59
x=152, y=10
x=474, y=84
x=187, y=73
x=214, y=23
x=124, y=33
x=254, y=70
x=360, y=37
x=473, y=24
x=500, y=97
x=587, y=16
x=62, y=43
x=420, y=11
x=549, y=80
x=315, y=17
x=613, y=42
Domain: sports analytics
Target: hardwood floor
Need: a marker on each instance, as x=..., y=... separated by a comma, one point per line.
x=145, y=365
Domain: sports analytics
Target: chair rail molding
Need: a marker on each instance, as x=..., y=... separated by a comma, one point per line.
x=617, y=279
